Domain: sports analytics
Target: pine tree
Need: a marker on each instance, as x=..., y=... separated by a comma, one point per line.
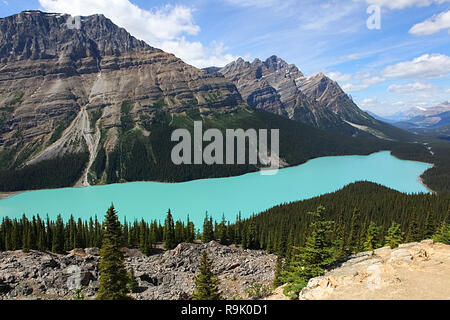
x=279, y=267
x=26, y=238
x=354, y=236
x=371, y=243
x=143, y=243
x=190, y=231
x=58, y=236
x=169, y=232
x=223, y=234
x=125, y=233
x=312, y=259
x=395, y=236
x=413, y=230
x=113, y=275
x=429, y=227
x=208, y=230
x=132, y=282
x=443, y=234
x=206, y=282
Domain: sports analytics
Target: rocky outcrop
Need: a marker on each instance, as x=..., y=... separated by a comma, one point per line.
x=276, y=86
x=166, y=276
x=414, y=271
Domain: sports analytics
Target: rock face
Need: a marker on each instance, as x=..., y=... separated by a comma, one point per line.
x=167, y=276
x=413, y=271
x=276, y=86
x=63, y=84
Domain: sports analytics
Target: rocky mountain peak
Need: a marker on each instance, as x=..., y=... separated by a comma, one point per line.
x=274, y=63
x=37, y=35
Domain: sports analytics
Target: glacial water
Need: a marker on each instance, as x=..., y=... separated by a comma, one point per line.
x=248, y=194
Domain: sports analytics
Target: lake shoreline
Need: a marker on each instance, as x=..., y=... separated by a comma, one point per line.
x=7, y=195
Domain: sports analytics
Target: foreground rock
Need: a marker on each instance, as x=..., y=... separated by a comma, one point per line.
x=166, y=276
x=417, y=271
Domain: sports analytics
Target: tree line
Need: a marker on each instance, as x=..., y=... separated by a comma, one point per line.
x=358, y=210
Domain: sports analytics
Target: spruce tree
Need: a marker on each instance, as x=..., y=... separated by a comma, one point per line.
x=354, y=243
x=58, y=236
x=371, y=243
x=169, y=232
x=313, y=258
x=429, y=227
x=208, y=230
x=443, y=234
x=206, y=282
x=143, y=243
x=132, y=282
x=223, y=234
x=279, y=267
x=113, y=275
x=190, y=231
x=413, y=234
x=395, y=236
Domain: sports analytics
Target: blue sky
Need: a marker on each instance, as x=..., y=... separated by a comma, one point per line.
x=404, y=64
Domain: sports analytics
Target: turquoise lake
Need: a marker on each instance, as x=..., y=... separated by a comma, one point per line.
x=248, y=194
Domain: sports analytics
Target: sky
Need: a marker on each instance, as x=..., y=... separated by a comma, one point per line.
x=389, y=55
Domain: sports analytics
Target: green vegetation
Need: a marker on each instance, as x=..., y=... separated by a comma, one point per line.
x=312, y=259
x=169, y=232
x=55, y=173
x=60, y=127
x=206, y=282
x=258, y=291
x=113, y=276
x=159, y=104
x=126, y=120
x=15, y=101
x=78, y=295
x=94, y=115
x=132, y=284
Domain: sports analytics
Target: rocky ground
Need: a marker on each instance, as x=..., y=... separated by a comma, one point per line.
x=415, y=271
x=169, y=275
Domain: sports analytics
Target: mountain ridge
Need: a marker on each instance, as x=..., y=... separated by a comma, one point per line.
x=274, y=85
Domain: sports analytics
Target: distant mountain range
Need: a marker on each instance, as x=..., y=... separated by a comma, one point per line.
x=434, y=117
x=417, y=116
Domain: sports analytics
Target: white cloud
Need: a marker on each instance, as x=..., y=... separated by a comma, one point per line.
x=164, y=28
x=339, y=77
x=402, y=4
x=432, y=25
x=447, y=91
x=425, y=66
x=363, y=83
x=259, y=3
x=411, y=87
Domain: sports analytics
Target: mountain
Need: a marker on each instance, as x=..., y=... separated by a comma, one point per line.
x=433, y=117
x=281, y=88
x=93, y=105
